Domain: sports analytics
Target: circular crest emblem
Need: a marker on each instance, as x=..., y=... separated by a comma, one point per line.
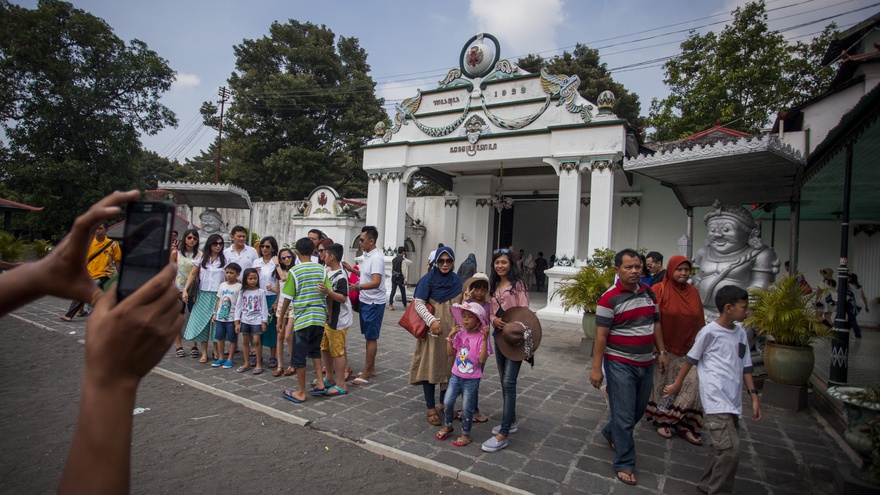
x=479, y=55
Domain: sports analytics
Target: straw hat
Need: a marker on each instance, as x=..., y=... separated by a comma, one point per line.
x=827, y=274
x=521, y=336
x=474, y=308
x=475, y=278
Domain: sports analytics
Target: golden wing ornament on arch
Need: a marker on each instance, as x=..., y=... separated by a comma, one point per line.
x=406, y=108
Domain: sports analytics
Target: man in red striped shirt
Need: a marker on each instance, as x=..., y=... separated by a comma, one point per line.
x=627, y=333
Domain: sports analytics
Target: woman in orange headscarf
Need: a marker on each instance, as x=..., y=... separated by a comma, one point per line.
x=681, y=317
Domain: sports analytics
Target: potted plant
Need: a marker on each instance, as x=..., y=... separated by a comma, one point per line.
x=583, y=289
x=783, y=312
x=862, y=407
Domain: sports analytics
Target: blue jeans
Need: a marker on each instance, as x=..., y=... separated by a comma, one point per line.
x=629, y=388
x=467, y=388
x=508, y=371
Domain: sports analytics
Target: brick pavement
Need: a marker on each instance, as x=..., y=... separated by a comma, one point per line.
x=559, y=448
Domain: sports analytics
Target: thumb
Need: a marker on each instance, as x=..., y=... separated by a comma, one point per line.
x=105, y=301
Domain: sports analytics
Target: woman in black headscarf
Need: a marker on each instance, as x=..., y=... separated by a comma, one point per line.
x=431, y=365
x=468, y=268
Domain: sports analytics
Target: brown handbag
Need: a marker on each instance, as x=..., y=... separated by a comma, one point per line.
x=413, y=323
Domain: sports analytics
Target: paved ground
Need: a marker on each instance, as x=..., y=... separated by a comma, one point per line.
x=558, y=450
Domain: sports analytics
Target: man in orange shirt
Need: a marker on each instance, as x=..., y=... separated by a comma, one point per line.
x=102, y=262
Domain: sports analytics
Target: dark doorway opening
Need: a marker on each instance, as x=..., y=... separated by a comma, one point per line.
x=503, y=236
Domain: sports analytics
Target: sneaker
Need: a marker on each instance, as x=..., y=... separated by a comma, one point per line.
x=218, y=363
x=494, y=445
x=228, y=364
x=513, y=429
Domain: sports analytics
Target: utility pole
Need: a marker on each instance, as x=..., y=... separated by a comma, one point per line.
x=224, y=95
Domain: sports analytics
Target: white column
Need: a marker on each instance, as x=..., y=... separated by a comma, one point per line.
x=450, y=225
x=377, y=191
x=567, y=235
x=395, y=210
x=601, y=203
x=569, y=209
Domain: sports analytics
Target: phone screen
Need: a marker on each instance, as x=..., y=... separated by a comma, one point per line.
x=146, y=248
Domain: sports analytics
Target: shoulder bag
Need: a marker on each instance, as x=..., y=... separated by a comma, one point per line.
x=413, y=322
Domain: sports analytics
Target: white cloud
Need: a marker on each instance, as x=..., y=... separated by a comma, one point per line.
x=522, y=26
x=186, y=81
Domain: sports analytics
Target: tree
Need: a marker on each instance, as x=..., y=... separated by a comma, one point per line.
x=741, y=76
x=594, y=76
x=73, y=100
x=303, y=105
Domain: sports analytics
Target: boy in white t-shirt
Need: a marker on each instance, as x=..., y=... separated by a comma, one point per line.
x=339, y=319
x=721, y=353
x=224, y=317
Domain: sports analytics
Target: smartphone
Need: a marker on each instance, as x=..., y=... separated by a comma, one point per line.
x=146, y=247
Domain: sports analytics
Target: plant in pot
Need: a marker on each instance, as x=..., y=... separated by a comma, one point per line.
x=784, y=314
x=583, y=289
x=862, y=407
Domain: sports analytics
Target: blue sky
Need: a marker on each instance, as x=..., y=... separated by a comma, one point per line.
x=412, y=44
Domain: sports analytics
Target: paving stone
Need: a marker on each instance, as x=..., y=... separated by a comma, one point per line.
x=568, y=444
x=544, y=469
x=683, y=471
x=744, y=485
x=674, y=486
x=592, y=483
x=454, y=459
x=531, y=484
x=555, y=456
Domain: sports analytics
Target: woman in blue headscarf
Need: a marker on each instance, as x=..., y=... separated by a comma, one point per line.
x=431, y=365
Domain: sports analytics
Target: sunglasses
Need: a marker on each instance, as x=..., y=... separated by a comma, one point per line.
x=445, y=261
x=501, y=251
x=218, y=243
x=266, y=246
x=286, y=257
x=191, y=237
x=321, y=250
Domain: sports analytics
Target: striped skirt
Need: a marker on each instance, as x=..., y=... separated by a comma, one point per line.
x=270, y=336
x=686, y=410
x=198, y=329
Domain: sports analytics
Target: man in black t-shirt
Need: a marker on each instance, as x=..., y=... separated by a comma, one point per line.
x=397, y=278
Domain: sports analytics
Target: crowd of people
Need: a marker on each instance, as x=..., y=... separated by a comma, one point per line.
x=683, y=375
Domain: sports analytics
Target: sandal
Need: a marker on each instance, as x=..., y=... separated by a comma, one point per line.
x=278, y=372
x=630, y=477
x=290, y=371
x=273, y=363
x=443, y=434
x=689, y=436
x=180, y=352
x=194, y=352
x=203, y=359
x=664, y=432
x=348, y=374
x=434, y=420
x=459, y=443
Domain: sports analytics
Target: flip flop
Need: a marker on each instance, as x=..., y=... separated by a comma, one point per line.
x=338, y=390
x=288, y=394
x=462, y=444
x=348, y=373
x=258, y=371
x=360, y=382
x=664, y=432
x=443, y=435
x=243, y=369
x=689, y=436
x=317, y=391
x=327, y=384
x=624, y=481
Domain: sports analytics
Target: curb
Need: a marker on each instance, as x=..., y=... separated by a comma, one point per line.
x=368, y=445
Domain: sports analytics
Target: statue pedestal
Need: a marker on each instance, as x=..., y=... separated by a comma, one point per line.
x=846, y=482
x=791, y=397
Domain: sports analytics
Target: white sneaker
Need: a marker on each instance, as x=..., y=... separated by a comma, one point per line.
x=513, y=429
x=494, y=445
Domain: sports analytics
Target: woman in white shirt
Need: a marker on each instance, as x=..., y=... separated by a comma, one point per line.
x=265, y=266
x=210, y=272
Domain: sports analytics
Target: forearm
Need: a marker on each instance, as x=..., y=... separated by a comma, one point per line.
x=423, y=312
x=99, y=459
x=749, y=380
x=337, y=296
x=685, y=369
x=372, y=284
x=599, y=347
x=19, y=287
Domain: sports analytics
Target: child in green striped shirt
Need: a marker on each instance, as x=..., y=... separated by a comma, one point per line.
x=310, y=314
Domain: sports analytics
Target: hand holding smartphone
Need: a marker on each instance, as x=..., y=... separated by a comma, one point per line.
x=146, y=247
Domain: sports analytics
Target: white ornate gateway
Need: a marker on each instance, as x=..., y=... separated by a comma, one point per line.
x=500, y=139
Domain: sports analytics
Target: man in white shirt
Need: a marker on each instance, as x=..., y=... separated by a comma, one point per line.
x=372, y=299
x=239, y=252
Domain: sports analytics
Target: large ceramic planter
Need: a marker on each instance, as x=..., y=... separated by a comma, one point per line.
x=589, y=325
x=789, y=364
x=859, y=415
